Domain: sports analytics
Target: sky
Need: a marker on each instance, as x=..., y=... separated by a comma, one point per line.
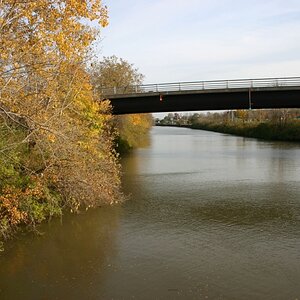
x=191, y=40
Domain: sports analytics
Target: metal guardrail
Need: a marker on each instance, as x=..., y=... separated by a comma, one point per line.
x=202, y=85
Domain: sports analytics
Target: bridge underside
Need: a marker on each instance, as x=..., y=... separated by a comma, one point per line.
x=258, y=98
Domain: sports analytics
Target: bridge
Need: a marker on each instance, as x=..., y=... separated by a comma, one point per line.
x=260, y=93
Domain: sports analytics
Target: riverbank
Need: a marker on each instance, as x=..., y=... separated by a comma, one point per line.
x=30, y=194
x=267, y=131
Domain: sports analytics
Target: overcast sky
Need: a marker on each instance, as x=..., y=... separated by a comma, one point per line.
x=189, y=40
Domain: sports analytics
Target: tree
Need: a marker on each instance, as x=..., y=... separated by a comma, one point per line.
x=113, y=72
x=57, y=140
x=116, y=72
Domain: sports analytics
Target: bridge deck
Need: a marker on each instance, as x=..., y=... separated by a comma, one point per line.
x=206, y=95
x=184, y=87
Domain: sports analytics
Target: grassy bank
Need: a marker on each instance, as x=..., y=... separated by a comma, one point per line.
x=268, y=131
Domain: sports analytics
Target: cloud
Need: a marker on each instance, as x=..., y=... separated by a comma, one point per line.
x=194, y=40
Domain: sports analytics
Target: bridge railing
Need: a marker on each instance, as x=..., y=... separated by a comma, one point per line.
x=202, y=85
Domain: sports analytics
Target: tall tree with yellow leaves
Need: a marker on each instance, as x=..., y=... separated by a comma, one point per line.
x=46, y=94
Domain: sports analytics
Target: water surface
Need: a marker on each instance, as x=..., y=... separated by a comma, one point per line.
x=209, y=216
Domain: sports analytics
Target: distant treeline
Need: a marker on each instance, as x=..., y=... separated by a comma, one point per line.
x=279, y=124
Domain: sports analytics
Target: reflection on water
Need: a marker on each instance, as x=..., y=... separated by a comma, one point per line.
x=69, y=260
x=209, y=216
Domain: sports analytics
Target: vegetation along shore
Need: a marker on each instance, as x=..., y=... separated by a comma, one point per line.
x=283, y=124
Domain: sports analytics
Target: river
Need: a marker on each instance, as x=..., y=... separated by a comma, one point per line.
x=209, y=216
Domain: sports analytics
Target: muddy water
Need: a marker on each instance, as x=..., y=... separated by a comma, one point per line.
x=210, y=216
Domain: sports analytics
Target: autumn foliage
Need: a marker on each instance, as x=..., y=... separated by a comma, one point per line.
x=113, y=73
x=56, y=147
